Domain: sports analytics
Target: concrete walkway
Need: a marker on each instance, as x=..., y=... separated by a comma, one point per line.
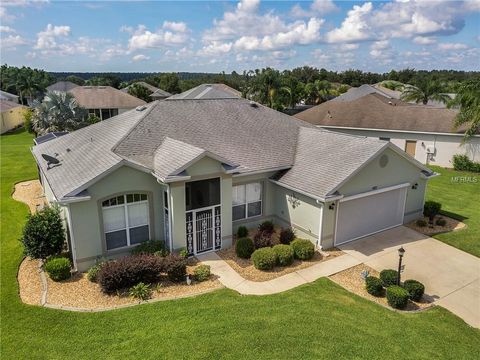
x=231, y=279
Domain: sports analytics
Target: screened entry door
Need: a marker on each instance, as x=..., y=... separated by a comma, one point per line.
x=204, y=230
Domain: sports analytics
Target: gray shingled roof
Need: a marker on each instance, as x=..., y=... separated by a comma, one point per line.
x=358, y=92
x=62, y=86
x=156, y=92
x=324, y=159
x=207, y=92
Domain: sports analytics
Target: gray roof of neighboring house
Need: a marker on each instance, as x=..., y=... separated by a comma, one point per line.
x=62, y=86
x=104, y=97
x=208, y=92
x=156, y=92
x=358, y=92
x=170, y=135
x=7, y=96
x=6, y=105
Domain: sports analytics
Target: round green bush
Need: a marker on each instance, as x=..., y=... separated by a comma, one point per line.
x=244, y=248
x=431, y=209
x=242, y=232
x=302, y=249
x=415, y=289
x=284, y=254
x=264, y=258
x=397, y=297
x=388, y=277
x=421, y=223
x=58, y=268
x=201, y=273
x=374, y=286
x=92, y=274
x=441, y=222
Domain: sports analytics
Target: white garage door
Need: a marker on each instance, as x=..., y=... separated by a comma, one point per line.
x=366, y=214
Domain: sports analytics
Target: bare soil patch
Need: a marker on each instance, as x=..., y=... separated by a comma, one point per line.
x=451, y=225
x=352, y=280
x=30, y=193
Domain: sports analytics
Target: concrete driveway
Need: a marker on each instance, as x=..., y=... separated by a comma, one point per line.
x=451, y=276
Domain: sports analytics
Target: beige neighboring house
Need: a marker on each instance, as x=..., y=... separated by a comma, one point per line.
x=104, y=101
x=11, y=115
x=156, y=93
x=7, y=96
x=62, y=86
x=424, y=132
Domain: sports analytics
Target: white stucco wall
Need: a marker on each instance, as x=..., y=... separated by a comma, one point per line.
x=445, y=145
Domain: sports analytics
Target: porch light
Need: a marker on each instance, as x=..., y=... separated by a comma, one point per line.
x=331, y=206
x=415, y=186
x=401, y=252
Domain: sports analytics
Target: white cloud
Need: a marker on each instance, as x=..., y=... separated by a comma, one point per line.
x=126, y=29
x=424, y=40
x=215, y=48
x=6, y=29
x=12, y=41
x=140, y=57
x=47, y=39
x=175, y=26
x=355, y=27
x=320, y=7
x=145, y=39
x=5, y=15
x=452, y=46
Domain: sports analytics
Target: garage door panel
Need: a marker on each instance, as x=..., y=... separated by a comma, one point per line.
x=369, y=214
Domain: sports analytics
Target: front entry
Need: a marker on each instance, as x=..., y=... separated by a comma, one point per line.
x=203, y=216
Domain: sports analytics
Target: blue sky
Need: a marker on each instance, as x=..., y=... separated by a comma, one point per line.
x=213, y=36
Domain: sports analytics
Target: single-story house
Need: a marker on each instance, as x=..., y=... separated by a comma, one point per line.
x=424, y=132
x=9, y=97
x=104, y=101
x=209, y=91
x=191, y=171
x=62, y=86
x=12, y=115
x=156, y=93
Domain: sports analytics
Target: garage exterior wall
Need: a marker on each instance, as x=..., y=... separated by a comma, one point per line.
x=86, y=217
x=445, y=145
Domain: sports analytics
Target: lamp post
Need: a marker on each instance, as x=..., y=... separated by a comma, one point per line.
x=401, y=252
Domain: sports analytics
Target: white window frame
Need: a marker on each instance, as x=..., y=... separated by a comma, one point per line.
x=127, y=225
x=246, y=217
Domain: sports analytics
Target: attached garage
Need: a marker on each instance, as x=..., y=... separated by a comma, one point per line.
x=370, y=212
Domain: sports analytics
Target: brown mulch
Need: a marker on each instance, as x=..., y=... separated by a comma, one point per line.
x=30, y=193
x=351, y=280
x=451, y=225
x=29, y=282
x=246, y=269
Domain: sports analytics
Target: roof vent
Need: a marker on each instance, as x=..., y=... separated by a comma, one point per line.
x=253, y=104
x=140, y=108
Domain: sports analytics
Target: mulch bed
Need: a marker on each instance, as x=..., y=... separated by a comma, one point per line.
x=30, y=193
x=451, y=225
x=352, y=280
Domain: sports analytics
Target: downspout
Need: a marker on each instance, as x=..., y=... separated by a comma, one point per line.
x=170, y=217
x=72, y=239
x=320, y=223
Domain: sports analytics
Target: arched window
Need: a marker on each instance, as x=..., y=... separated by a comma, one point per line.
x=126, y=220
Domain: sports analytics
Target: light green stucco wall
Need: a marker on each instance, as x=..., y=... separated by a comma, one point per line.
x=86, y=215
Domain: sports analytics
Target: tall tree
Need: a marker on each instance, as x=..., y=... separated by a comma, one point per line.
x=468, y=99
x=58, y=112
x=140, y=91
x=424, y=90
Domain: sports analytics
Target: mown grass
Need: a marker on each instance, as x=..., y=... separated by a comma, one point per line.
x=318, y=320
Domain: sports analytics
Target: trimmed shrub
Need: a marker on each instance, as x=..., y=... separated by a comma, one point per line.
x=284, y=254
x=266, y=227
x=131, y=270
x=463, y=163
x=303, y=249
x=374, y=286
x=176, y=268
x=421, y=223
x=58, y=268
x=242, y=232
x=151, y=247
x=43, y=234
x=415, y=289
x=92, y=274
x=140, y=291
x=397, y=297
x=431, y=209
x=389, y=277
x=441, y=222
x=287, y=235
x=201, y=273
x=244, y=248
x=264, y=258
x=183, y=253
x=262, y=239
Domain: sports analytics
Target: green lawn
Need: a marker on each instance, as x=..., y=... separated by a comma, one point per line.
x=459, y=199
x=319, y=320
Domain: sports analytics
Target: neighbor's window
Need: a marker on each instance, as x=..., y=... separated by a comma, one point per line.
x=126, y=220
x=246, y=201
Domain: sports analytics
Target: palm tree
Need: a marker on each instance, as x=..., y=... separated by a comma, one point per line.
x=424, y=91
x=319, y=91
x=27, y=86
x=58, y=112
x=468, y=99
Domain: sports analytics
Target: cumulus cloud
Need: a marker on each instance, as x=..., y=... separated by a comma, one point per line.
x=424, y=40
x=6, y=29
x=452, y=46
x=215, y=48
x=320, y=7
x=355, y=27
x=171, y=34
x=140, y=57
x=47, y=39
x=10, y=42
x=175, y=26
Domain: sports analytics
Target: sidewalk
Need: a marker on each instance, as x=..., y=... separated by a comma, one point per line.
x=232, y=280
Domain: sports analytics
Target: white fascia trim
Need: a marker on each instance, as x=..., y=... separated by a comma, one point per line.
x=374, y=192
x=200, y=157
x=423, y=176
x=66, y=201
x=393, y=131
x=171, y=179
x=247, y=173
x=318, y=198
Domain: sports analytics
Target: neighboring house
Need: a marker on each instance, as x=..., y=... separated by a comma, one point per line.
x=11, y=115
x=9, y=97
x=209, y=91
x=394, y=94
x=156, y=93
x=62, y=86
x=191, y=171
x=424, y=132
x=104, y=101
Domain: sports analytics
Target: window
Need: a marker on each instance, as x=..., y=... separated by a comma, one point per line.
x=246, y=201
x=201, y=194
x=126, y=220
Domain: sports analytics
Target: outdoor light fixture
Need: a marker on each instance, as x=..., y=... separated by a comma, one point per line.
x=401, y=252
x=415, y=186
x=331, y=206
